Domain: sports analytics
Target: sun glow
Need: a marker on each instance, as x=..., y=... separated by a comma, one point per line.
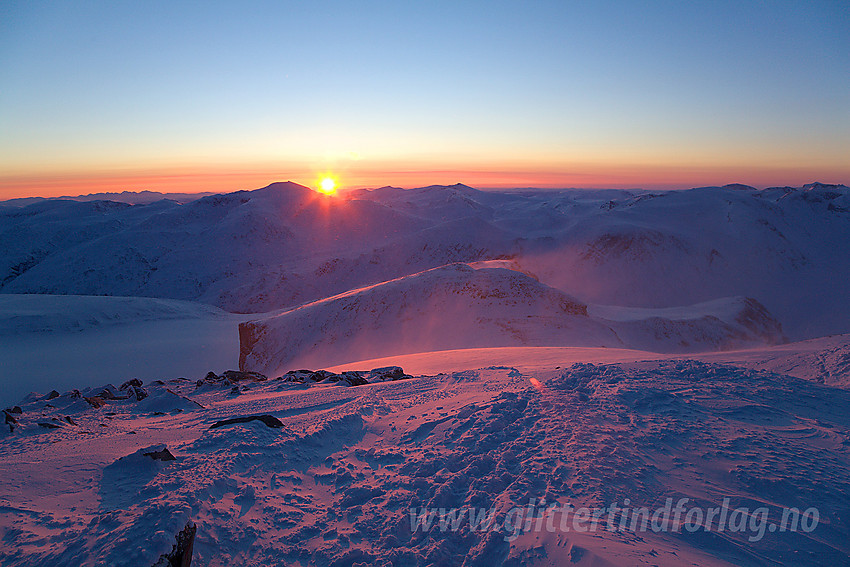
x=327, y=185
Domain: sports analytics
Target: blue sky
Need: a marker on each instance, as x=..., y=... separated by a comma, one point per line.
x=530, y=93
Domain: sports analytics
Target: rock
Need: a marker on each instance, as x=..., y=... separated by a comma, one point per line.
x=320, y=375
x=181, y=552
x=107, y=394
x=138, y=392
x=349, y=377
x=53, y=394
x=48, y=424
x=388, y=373
x=229, y=377
x=353, y=378
x=94, y=401
x=16, y=409
x=268, y=420
x=132, y=382
x=237, y=375
x=9, y=418
x=160, y=453
x=298, y=376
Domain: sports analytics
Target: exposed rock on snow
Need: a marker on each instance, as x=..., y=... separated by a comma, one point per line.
x=267, y=420
x=230, y=377
x=132, y=382
x=159, y=453
x=181, y=555
x=308, y=377
x=347, y=378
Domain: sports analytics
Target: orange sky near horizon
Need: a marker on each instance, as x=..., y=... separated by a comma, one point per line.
x=218, y=97
x=227, y=179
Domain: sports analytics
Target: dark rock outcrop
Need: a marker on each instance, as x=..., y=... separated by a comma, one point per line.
x=10, y=420
x=388, y=373
x=181, y=553
x=160, y=455
x=238, y=375
x=94, y=401
x=230, y=377
x=268, y=420
x=132, y=382
x=349, y=377
x=137, y=393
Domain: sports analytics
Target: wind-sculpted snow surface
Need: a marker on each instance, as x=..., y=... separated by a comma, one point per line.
x=399, y=472
x=284, y=245
x=457, y=306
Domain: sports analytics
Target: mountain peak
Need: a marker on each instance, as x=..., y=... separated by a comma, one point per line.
x=817, y=185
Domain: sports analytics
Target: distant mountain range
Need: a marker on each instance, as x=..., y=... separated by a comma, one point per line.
x=283, y=246
x=129, y=197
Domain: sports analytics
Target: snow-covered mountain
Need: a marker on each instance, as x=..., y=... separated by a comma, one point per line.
x=129, y=197
x=285, y=245
x=786, y=247
x=519, y=313
x=458, y=306
x=63, y=313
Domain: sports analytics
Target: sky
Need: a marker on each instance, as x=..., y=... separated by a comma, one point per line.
x=213, y=96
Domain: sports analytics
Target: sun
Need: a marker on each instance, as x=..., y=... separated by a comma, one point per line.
x=327, y=185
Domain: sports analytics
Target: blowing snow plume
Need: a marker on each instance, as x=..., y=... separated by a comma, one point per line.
x=457, y=306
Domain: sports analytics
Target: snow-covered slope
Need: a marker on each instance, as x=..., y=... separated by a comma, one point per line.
x=458, y=306
x=62, y=313
x=454, y=306
x=787, y=248
x=721, y=324
x=343, y=475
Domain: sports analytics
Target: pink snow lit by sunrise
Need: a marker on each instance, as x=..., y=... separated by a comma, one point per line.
x=436, y=284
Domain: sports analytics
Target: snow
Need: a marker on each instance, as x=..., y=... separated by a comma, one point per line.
x=483, y=306
x=284, y=245
x=336, y=482
x=725, y=309
x=582, y=348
